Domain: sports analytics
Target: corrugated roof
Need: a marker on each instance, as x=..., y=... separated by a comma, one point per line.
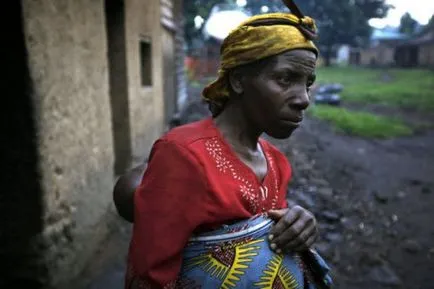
x=387, y=34
x=424, y=37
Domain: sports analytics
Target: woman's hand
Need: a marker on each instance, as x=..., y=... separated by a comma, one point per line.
x=295, y=230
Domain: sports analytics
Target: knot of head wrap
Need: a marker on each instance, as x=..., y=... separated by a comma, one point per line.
x=306, y=20
x=260, y=37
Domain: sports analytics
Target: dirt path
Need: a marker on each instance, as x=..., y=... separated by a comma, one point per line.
x=383, y=192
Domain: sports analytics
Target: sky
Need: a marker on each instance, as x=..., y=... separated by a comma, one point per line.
x=420, y=10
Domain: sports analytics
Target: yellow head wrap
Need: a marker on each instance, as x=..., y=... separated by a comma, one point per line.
x=251, y=41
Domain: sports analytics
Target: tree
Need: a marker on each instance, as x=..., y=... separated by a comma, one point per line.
x=408, y=24
x=338, y=21
x=255, y=6
x=431, y=21
x=343, y=21
x=193, y=8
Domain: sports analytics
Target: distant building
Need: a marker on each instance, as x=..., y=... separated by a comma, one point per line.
x=389, y=48
x=381, y=51
x=417, y=51
x=204, y=60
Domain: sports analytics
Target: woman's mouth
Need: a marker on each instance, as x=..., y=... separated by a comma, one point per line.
x=297, y=119
x=293, y=122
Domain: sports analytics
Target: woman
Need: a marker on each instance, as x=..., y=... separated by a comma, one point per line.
x=211, y=210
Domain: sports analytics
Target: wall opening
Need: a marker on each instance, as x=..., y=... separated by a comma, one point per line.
x=21, y=200
x=169, y=74
x=145, y=61
x=118, y=83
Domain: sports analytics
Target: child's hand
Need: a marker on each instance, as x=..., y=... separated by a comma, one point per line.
x=295, y=230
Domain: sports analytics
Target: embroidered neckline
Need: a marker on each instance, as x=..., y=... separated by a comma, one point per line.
x=236, y=159
x=256, y=193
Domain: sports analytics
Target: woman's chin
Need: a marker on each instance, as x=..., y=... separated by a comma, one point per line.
x=280, y=134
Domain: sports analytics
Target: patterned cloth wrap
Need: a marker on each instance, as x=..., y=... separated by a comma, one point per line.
x=238, y=256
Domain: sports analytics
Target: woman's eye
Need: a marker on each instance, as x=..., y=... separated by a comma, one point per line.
x=310, y=81
x=284, y=79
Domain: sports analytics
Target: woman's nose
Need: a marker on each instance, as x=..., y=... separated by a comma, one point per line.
x=301, y=101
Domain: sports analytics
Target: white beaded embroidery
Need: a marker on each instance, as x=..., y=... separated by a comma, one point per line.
x=274, y=202
x=214, y=148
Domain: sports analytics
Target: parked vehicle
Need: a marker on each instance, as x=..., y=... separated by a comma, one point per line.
x=328, y=94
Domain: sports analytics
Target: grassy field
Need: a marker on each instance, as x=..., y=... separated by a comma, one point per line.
x=399, y=87
x=391, y=87
x=360, y=123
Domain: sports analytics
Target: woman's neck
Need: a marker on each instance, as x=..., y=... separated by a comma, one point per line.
x=236, y=128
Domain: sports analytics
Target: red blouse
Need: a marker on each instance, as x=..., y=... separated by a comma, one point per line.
x=194, y=181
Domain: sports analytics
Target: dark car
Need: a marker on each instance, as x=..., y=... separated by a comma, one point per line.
x=328, y=94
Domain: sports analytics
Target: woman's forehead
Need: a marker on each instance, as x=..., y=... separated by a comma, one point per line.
x=300, y=59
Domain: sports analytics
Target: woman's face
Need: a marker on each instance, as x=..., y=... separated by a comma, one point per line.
x=276, y=97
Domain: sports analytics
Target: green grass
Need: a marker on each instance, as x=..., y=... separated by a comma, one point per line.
x=405, y=87
x=361, y=123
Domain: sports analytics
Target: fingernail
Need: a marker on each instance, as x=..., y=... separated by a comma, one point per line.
x=271, y=237
x=273, y=246
x=278, y=251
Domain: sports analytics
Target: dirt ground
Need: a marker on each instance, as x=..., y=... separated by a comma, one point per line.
x=374, y=201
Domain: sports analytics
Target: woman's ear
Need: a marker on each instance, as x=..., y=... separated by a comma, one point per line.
x=235, y=81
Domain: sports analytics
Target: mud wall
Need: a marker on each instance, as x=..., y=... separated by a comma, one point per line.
x=67, y=59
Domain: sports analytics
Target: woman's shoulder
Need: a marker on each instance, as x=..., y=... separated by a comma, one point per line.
x=186, y=135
